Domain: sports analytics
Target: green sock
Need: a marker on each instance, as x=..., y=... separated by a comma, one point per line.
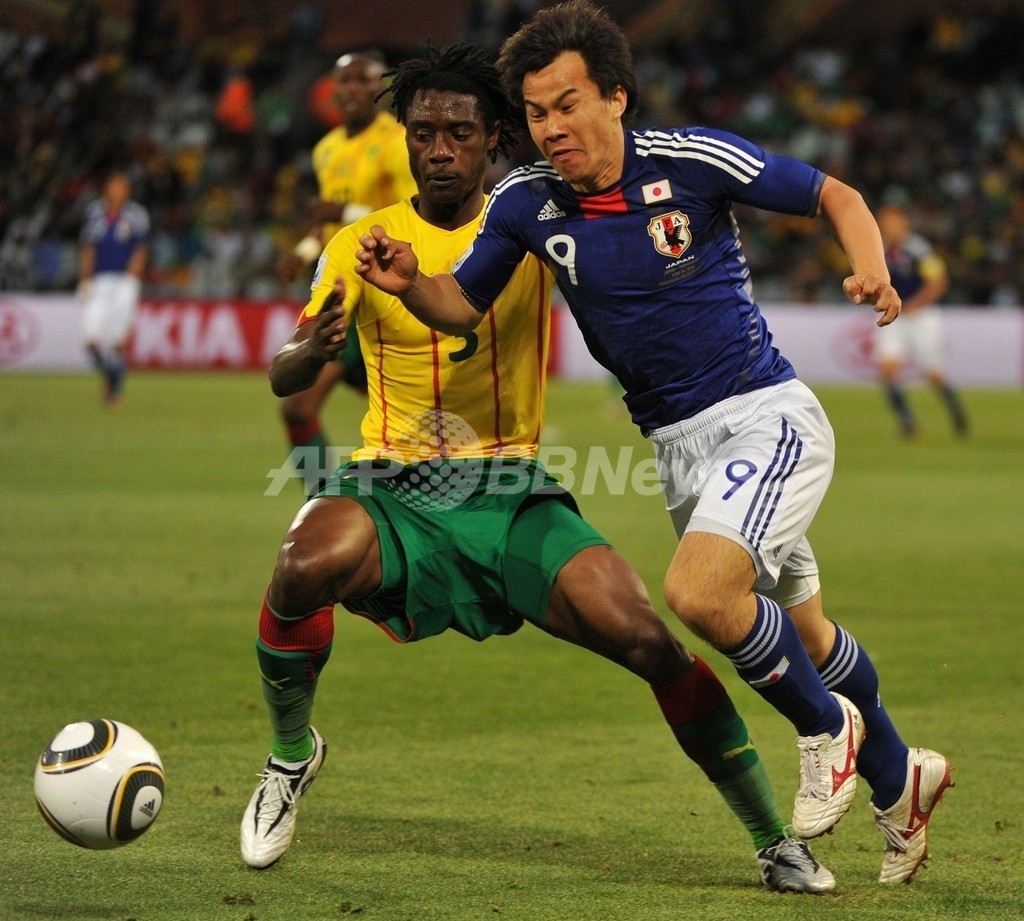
x=732, y=764
x=714, y=736
x=752, y=800
x=289, y=686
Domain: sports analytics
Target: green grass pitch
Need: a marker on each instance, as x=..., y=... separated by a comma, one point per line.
x=517, y=779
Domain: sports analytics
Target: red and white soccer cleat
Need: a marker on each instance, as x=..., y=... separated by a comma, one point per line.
x=828, y=774
x=905, y=823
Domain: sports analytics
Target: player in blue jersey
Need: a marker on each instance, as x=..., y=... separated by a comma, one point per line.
x=919, y=275
x=114, y=247
x=638, y=226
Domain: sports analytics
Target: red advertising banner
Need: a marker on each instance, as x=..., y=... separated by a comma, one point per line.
x=235, y=335
x=828, y=344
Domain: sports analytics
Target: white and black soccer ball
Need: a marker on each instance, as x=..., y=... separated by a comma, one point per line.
x=99, y=784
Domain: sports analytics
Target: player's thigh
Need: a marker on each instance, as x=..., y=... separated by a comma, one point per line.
x=330, y=552
x=599, y=602
x=97, y=312
x=542, y=539
x=756, y=476
x=123, y=306
x=93, y=325
x=891, y=344
x=798, y=578
x=927, y=345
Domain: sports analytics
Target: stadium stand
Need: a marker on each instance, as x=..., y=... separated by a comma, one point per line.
x=214, y=107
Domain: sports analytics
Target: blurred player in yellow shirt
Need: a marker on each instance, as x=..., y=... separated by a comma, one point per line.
x=360, y=166
x=445, y=520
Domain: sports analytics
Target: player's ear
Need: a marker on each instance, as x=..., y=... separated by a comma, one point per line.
x=618, y=101
x=492, y=136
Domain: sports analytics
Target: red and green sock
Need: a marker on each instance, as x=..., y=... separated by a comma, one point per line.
x=291, y=655
x=713, y=735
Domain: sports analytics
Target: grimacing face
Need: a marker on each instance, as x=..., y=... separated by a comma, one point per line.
x=577, y=129
x=448, y=144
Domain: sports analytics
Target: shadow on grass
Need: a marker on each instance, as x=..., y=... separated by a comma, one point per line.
x=613, y=858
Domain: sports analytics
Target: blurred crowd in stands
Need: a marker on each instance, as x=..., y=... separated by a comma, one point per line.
x=217, y=136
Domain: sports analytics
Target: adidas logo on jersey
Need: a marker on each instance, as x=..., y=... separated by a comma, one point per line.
x=549, y=212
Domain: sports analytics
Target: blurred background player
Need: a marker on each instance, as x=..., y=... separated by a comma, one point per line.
x=919, y=276
x=360, y=166
x=114, y=247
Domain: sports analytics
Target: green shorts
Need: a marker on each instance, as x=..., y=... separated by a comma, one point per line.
x=466, y=545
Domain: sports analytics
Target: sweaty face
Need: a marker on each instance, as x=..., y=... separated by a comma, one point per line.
x=357, y=85
x=578, y=130
x=448, y=144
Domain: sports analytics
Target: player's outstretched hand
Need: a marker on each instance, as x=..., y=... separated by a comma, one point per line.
x=388, y=264
x=329, y=330
x=870, y=289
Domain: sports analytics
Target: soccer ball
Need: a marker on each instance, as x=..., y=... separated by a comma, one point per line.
x=99, y=784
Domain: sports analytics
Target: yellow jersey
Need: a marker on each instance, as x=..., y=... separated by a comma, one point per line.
x=370, y=169
x=434, y=395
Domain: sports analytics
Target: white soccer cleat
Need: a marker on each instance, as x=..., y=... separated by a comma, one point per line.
x=828, y=774
x=905, y=823
x=787, y=865
x=268, y=824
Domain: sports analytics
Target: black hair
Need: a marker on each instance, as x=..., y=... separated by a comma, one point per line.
x=575, y=25
x=458, y=68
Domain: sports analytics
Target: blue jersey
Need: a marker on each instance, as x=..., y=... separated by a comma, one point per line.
x=652, y=268
x=913, y=264
x=116, y=235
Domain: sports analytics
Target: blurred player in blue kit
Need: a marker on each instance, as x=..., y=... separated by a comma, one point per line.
x=919, y=276
x=639, y=229
x=114, y=247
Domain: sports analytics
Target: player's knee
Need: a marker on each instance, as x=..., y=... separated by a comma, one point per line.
x=693, y=608
x=301, y=580
x=650, y=650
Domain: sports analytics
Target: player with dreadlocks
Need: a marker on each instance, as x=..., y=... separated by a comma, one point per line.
x=444, y=519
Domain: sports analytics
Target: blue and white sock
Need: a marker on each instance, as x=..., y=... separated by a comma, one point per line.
x=773, y=661
x=882, y=760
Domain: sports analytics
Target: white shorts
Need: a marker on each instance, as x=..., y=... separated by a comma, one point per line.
x=915, y=338
x=754, y=468
x=110, y=308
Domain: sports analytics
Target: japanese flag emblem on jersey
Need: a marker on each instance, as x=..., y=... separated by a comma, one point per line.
x=671, y=233
x=655, y=192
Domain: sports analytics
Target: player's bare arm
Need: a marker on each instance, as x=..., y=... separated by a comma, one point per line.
x=297, y=363
x=435, y=300
x=856, y=230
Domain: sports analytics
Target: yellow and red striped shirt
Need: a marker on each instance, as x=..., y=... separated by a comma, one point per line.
x=431, y=394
